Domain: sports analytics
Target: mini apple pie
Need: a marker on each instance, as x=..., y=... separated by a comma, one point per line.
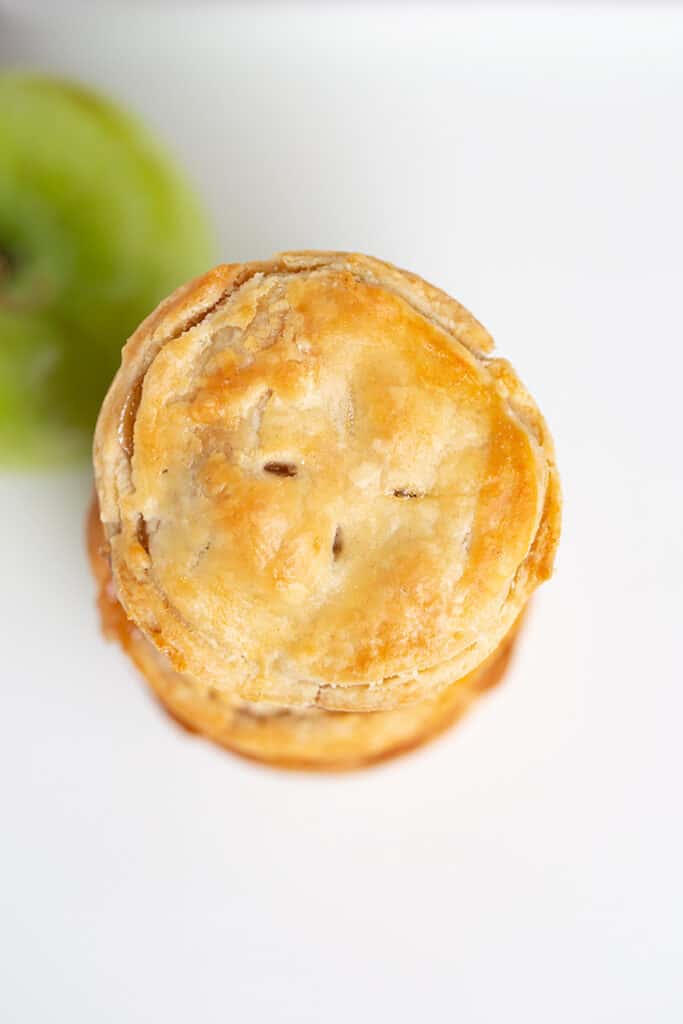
x=323, y=507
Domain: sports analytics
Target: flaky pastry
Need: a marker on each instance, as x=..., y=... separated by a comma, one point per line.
x=300, y=738
x=318, y=488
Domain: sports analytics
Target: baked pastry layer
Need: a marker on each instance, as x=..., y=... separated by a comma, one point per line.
x=319, y=488
x=307, y=738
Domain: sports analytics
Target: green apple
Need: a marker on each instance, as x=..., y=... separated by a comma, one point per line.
x=96, y=227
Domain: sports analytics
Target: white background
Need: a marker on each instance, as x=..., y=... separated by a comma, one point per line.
x=528, y=866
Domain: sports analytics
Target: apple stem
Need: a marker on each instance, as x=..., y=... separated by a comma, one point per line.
x=7, y=265
x=6, y=261
x=32, y=298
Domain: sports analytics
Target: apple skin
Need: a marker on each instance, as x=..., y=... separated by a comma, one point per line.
x=96, y=227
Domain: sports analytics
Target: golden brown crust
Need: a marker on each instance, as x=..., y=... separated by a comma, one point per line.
x=299, y=738
x=318, y=488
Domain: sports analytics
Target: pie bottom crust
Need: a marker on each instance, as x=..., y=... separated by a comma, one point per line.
x=297, y=738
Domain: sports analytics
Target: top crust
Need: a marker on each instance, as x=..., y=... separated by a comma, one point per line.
x=318, y=488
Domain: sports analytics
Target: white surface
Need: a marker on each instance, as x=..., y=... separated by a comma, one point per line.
x=527, y=867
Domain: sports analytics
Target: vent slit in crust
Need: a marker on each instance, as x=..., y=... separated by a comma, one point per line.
x=280, y=468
